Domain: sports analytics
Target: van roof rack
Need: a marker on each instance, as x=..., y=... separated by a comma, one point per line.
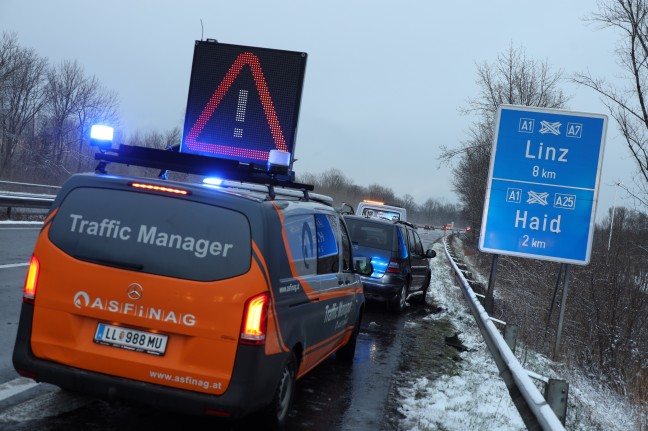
x=172, y=160
x=287, y=192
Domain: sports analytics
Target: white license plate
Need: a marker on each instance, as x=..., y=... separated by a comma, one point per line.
x=131, y=339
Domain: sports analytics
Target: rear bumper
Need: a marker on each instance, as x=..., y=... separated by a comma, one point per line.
x=249, y=389
x=383, y=289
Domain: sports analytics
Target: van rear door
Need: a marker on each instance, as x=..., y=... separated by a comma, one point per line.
x=144, y=284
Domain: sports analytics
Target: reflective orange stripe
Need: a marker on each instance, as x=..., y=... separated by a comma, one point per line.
x=315, y=354
x=49, y=219
x=272, y=319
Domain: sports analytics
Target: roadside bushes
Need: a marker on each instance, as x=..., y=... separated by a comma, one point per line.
x=605, y=329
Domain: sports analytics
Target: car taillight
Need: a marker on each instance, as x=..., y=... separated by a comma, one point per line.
x=29, y=291
x=394, y=266
x=255, y=320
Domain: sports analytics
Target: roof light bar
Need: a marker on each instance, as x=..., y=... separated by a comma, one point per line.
x=101, y=136
x=279, y=162
x=213, y=181
x=373, y=202
x=159, y=188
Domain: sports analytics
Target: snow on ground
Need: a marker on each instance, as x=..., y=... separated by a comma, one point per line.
x=476, y=398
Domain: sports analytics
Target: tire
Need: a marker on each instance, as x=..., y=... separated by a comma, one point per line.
x=397, y=305
x=276, y=413
x=346, y=353
x=419, y=299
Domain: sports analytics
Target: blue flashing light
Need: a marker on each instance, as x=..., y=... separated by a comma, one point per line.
x=101, y=133
x=213, y=181
x=279, y=162
x=380, y=265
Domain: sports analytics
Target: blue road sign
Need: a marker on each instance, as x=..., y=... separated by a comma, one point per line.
x=543, y=184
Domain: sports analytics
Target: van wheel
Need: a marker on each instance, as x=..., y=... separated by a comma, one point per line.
x=276, y=413
x=420, y=298
x=397, y=305
x=347, y=352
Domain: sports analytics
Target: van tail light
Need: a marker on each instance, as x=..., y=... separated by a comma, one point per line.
x=394, y=266
x=255, y=320
x=31, y=282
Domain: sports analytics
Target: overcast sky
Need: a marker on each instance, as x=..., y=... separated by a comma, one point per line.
x=384, y=79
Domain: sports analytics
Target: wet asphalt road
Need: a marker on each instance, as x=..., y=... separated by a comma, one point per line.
x=391, y=352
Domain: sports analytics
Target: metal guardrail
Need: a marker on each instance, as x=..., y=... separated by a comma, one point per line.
x=531, y=404
x=24, y=200
x=43, y=186
x=19, y=199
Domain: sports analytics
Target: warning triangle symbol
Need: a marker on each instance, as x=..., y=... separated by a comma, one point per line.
x=244, y=59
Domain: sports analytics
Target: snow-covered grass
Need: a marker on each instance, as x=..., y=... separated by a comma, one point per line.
x=476, y=398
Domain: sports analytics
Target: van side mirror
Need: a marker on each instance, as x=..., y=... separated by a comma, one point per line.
x=362, y=265
x=430, y=253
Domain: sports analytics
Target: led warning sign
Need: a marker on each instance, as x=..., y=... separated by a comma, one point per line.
x=243, y=101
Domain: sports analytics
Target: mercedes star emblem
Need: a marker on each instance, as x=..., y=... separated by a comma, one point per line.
x=134, y=291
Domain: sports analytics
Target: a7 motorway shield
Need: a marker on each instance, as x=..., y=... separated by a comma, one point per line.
x=543, y=184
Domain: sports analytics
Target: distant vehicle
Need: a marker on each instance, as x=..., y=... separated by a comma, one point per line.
x=375, y=209
x=400, y=264
x=190, y=297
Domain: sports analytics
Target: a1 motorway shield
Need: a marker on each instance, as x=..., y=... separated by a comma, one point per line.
x=543, y=184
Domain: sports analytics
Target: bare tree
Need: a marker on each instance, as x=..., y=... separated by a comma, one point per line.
x=97, y=106
x=75, y=101
x=21, y=94
x=408, y=202
x=627, y=104
x=63, y=86
x=381, y=193
x=511, y=79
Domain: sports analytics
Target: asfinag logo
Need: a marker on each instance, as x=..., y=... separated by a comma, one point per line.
x=81, y=299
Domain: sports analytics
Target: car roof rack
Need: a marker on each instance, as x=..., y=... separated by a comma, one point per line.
x=172, y=160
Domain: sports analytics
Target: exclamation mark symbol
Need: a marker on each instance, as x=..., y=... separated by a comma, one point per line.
x=240, y=112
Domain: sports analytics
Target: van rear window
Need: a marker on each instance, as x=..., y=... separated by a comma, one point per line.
x=153, y=234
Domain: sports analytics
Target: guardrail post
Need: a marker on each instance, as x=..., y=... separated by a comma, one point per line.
x=8, y=212
x=489, y=304
x=510, y=336
x=489, y=300
x=556, y=392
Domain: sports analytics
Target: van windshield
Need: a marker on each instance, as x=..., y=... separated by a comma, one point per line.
x=366, y=233
x=154, y=234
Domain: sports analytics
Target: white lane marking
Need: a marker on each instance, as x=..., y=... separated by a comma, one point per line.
x=51, y=404
x=13, y=265
x=15, y=386
x=24, y=223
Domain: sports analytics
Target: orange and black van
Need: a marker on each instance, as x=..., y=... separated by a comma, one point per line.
x=199, y=299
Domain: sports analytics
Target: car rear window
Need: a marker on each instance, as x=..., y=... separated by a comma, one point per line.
x=387, y=215
x=366, y=233
x=153, y=234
